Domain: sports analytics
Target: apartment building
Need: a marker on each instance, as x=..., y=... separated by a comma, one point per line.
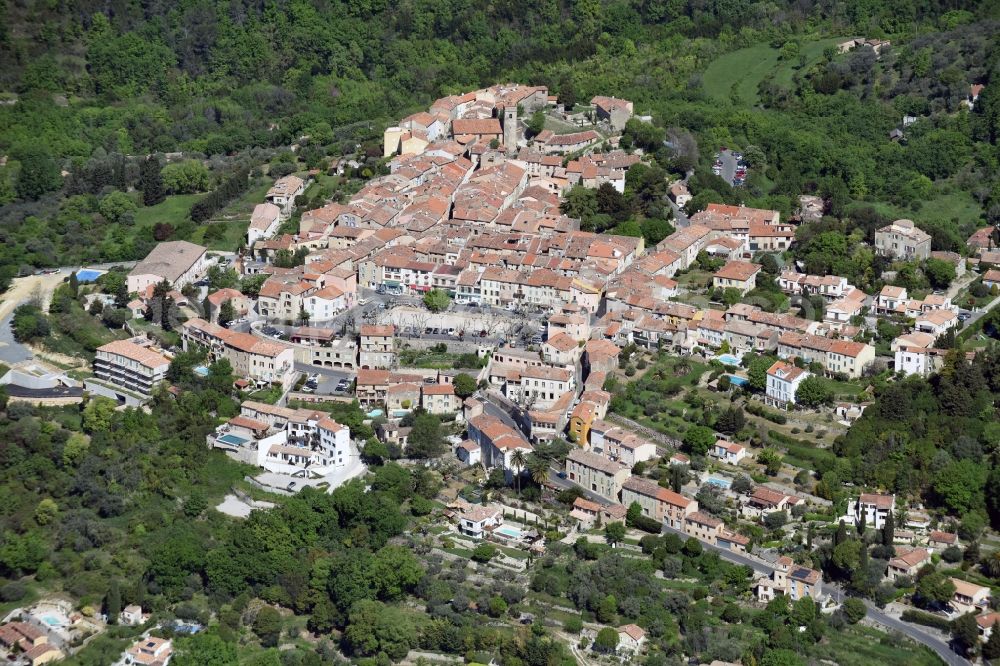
x=903, y=240
x=177, y=262
x=836, y=356
x=660, y=504
x=133, y=367
x=377, y=350
x=261, y=361
x=597, y=473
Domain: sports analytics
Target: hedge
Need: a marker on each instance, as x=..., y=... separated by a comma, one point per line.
x=926, y=619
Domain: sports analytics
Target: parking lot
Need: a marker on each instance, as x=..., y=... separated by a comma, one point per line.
x=729, y=165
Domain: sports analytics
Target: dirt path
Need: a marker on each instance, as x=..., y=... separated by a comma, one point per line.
x=23, y=289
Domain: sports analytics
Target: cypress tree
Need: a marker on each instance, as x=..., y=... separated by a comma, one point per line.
x=888, y=530
x=151, y=182
x=113, y=602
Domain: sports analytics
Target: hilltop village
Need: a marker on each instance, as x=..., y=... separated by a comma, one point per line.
x=575, y=386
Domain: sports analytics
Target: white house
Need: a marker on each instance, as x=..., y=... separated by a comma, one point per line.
x=264, y=222
x=282, y=194
x=969, y=597
x=729, y=452
x=631, y=638
x=477, y=520
x=873, y=507
x=783, y=380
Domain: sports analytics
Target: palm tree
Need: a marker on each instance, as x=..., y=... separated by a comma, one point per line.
x=538, y=467
x=518, y=461
x=991, y=565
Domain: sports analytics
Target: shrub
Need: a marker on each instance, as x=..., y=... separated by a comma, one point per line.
x=926, y=619
x=13, y=591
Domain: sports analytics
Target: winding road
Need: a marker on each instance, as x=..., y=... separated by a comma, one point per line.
x=914, y=632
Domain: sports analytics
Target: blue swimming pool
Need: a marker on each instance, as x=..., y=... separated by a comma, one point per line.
x=719, y=481
x=738, y=381
x=88, y=275
x=200, y=370
x=508, y=531
x=727, y=359
x=232, y=440
x=374, y=414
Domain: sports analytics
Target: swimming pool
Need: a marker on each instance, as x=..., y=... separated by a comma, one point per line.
x=719, y=481
x=232, y=440
x=88, y=275
x=508, y=531
x=374, y=414
x=727, y=359
x=738, y=381
x=200, y=370
x=53, y=620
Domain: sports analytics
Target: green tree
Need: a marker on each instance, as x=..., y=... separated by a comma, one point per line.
x=698, y=440
x=426, y=439
x=437, y=300
x=39, y=173
x=465, y=385
x=98, y=415
x=854, y=610
x=204, y=649
x=536, y=124
x=267, y=626
x=75, y=449
x=991, y=648
x=227, y=313
x=959, y=485
x=113, y=601
x=934, y=589
x=186, y=177
x=151, y=182
x=614, y=533
x=518, y=461
x=607, y=608
x=771, y=460
x=965, y=632
x=813, y=392
x=117, y=207
x=497, y=606
x=483, y=553
x=940, y=273
x=46, y=511
x=757, y=371
x=607, y=640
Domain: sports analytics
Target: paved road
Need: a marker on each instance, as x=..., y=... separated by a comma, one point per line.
x=874, y=612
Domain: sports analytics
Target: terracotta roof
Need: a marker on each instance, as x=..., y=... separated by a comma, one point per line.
x=703, y=519
x=378, y=331
x=139, y=354
x=967, y=589
x=910, y=559
x=943, y=537
x=879, y=501
x=241, y=421
x=738, y=270
x=633, y=631
x=461, y=126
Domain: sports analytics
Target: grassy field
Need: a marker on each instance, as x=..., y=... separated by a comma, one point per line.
x=943, y=208
x=172, y=210
x=746, y=68
x=859, y=646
